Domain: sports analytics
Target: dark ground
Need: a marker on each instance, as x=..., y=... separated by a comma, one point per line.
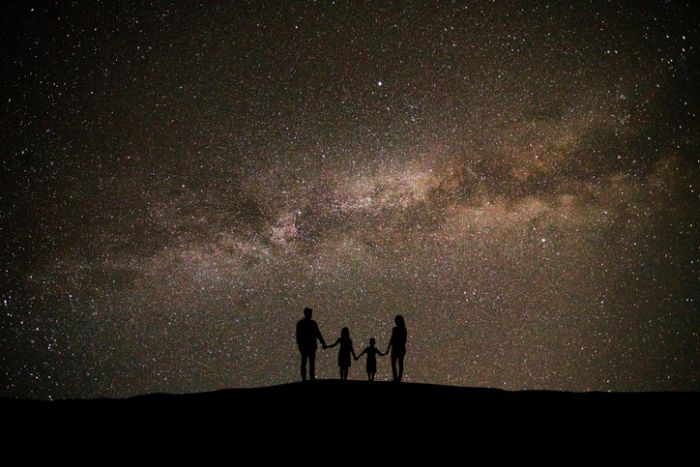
x=362, y=414
x=349, y=400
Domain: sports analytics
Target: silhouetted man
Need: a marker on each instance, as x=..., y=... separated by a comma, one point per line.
x=307, y=333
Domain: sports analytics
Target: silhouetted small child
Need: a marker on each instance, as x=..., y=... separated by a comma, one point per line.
x=344, y=353
x=372, y=353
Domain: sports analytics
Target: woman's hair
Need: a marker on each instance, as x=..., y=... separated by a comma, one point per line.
x=400, y=322
x=345, y=333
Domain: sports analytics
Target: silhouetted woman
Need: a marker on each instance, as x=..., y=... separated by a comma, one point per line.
x=397, y=344
x=344, y=353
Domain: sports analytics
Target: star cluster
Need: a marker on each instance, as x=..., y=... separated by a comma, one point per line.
x=519, y=180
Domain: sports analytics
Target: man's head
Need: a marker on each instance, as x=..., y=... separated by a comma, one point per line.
x=372, y=342
x=308, y=312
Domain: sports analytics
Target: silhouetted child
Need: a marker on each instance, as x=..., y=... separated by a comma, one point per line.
x=372, y=353
x=344, y=352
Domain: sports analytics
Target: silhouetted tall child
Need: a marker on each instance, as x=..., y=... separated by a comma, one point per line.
x=344, y=352
x=372, y=353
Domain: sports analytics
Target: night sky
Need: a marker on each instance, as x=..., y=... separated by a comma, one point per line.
x=520, y=180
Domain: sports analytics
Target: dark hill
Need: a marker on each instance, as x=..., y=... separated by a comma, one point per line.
x=404, y=398
x=328, y=408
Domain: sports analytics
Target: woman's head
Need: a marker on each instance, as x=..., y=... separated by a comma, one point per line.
x=345, y=333
x=399, y=321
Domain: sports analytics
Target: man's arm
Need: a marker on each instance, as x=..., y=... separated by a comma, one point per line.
x=319, y=336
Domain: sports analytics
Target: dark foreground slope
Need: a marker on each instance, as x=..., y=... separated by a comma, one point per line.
x=353, y=400
x=337, y=416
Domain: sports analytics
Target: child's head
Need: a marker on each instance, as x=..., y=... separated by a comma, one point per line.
x=372, y=341
x=345, y=333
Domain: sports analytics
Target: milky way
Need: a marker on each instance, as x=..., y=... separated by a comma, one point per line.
x=519, y=180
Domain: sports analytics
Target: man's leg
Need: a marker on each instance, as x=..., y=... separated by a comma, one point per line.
x=312, y=364
x=304, y=357
x=393, y=366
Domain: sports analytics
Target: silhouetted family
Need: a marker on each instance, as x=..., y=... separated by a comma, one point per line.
x=308, y=334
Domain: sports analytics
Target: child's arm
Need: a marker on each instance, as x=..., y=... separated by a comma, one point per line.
x=333, y=344
x=358, y=357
